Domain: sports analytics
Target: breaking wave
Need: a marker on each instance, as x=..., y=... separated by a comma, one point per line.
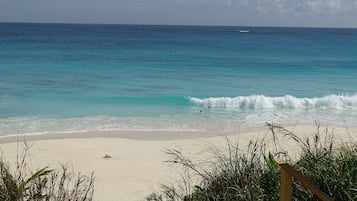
x=263, y=102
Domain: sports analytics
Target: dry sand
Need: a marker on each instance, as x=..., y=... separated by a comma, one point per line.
x=137, y=165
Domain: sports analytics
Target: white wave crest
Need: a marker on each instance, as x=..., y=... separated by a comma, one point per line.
x=263, y=102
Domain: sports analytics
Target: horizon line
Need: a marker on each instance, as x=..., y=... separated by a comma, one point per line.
x=187, y=25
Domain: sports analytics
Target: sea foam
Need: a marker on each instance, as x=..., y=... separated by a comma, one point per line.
x=263, y=102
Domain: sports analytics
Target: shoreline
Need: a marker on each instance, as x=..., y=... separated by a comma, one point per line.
x=132, y=135
x=137, y=165
x=149, y=135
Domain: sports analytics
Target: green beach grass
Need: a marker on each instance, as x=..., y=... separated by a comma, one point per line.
x=22, y=184
x=252, y=174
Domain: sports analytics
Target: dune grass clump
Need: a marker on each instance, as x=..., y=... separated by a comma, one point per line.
x=251, y=174
x=21, y=184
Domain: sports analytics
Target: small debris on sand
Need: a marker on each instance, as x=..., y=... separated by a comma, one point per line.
x=106, y=156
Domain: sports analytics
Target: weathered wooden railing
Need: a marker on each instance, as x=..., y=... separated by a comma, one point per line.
x=286, y=175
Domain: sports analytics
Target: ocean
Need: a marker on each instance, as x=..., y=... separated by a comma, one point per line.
x=64, y=78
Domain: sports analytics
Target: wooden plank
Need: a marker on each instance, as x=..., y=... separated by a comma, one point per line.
x=298, y=176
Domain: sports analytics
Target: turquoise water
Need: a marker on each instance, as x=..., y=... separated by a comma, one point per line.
x=70, y=78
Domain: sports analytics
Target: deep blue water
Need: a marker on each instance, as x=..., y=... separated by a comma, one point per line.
x=72, y=77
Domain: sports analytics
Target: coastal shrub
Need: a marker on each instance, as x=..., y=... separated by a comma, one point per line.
x=252, y=173
x=21, y=184
x=235, y=175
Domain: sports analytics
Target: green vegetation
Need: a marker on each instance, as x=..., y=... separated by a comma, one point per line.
x=251, y=174
x=20, y=184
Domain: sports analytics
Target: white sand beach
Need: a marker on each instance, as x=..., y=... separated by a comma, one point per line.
x=137, y=165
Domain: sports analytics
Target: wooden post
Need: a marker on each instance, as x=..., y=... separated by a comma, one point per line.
x=285, y=186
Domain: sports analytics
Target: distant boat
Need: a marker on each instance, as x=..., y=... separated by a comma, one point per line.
x=243, y=31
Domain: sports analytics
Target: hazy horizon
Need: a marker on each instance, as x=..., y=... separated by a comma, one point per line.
x=188, y=25
x=275, y=13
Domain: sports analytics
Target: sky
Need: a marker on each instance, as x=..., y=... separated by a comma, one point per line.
x=292, y=13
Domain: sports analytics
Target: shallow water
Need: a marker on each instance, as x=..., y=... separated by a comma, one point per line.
x=68, y=77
